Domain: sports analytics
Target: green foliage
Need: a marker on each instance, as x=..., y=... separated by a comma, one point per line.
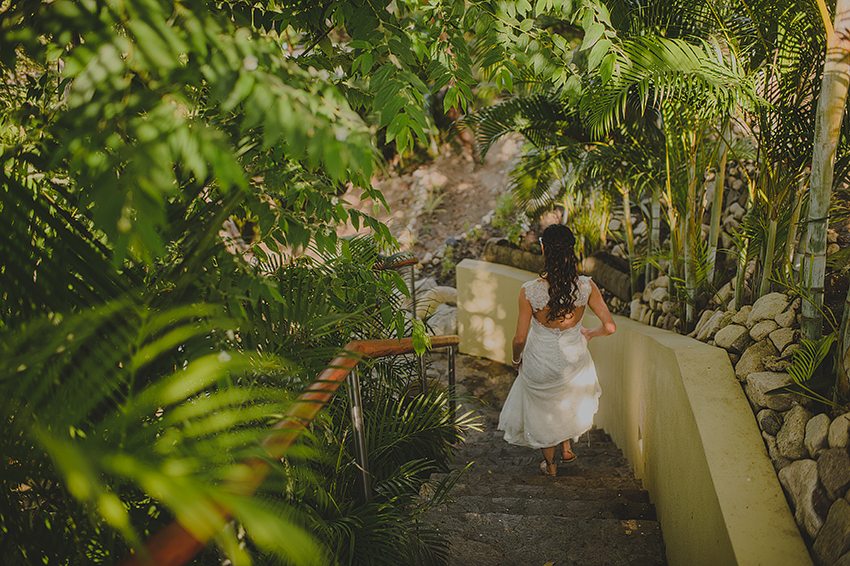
x=151, y=348
x=447, y=264
x=812, y=377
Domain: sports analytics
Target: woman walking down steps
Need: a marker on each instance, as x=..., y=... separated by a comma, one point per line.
x=555, y=395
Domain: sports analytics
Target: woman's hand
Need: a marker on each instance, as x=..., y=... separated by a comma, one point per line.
x=586, y=333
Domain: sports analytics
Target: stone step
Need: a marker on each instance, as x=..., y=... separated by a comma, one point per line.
x=504, y=539
x=602, y=504
x=509, y=480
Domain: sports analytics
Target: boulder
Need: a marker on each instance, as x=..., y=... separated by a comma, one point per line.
x=428, y=302
x=752, y=360
x=778, y=460
x=657, y=297
x=767, y=307
x=834, y=538
x=742, y=315
x=762, y=329
x=715, y=323
x=731, y=337
x=800, y=481
x=783, y=336
x=834, y=472
x=759, y=383
x=776, y=363
x=786, y=319
x=443, y=321
x=791, y=438
x=669, y=307
x=839, y=432
x=817, y=434
x=789, y=350
x=634, y=309
x=703, y=320
x=769, y=421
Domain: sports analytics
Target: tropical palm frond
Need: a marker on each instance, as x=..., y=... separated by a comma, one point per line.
x=543, y=119
x=808, y=359
x=146, y=403
x=656, y=69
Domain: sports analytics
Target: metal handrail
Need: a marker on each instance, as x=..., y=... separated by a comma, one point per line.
x=174, y=545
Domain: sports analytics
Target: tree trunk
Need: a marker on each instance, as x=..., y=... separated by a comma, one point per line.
x=717, y=204
x=769, y=252
x=793, y=268
x=833, y=96
x=630, y=235
x=654, y=234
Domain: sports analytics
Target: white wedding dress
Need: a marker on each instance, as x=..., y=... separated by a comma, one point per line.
x=556, y=393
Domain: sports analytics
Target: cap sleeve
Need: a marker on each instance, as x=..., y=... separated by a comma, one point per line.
x=537, y=293
x=584, y=289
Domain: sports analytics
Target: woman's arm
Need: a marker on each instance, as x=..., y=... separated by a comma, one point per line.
x=521, y=334
x=600, y=309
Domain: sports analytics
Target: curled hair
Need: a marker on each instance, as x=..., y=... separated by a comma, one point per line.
x=560, y=269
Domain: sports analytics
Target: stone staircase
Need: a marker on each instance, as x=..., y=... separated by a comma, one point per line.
x=504, y=512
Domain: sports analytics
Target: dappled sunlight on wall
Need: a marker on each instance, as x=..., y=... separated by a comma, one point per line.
x=487, y=308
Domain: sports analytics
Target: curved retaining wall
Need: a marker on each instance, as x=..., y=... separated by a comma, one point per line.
x=675, y=408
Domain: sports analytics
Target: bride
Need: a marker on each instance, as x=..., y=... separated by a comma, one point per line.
x=555, y=394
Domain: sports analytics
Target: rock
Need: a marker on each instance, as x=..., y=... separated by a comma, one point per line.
x=759, y=383
x=817, y=435
x=669, y=307
x=646, y=316
x=834, y=472
x=844, y=560
x=800, y=481
x=725, y=293
x=661, y=281
x=833, y=540
x=769, y=421
x=703, y=320
x=443, y=321
x=733, y=358
x=767, y=307
x=786, y=319
x=614, y=225
x=732, y=335
x=781, y=337
x=760, y=330
x=713, y=324
x=451, y=241
x=832, y=249
x=791, y=438
x=752, y=360
x=427, y=303
x=742, y=315
x=779, y=461
x=737, y=210
x=839, y=432
x=634, y=309
x=426, y=259
x=831, y=236
x=657, y=297
x=776, y=363
x=789, y=350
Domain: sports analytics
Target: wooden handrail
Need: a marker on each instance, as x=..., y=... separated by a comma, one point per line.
x=174, y=545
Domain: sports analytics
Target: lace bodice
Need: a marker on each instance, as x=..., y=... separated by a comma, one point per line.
x=537, y=292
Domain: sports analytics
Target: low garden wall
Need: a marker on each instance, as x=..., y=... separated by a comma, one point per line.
x=675, y=408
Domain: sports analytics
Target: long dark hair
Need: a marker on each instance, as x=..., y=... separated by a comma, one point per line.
x=560, y=269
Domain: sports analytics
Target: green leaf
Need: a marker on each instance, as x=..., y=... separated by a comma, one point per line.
x=599, y=50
